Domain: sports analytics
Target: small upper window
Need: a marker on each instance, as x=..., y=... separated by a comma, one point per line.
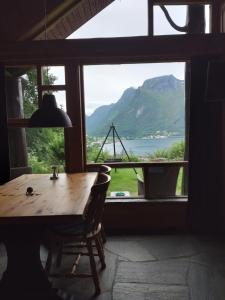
x=53, y=75
x=122, y=18
x=171, y=19
x=178, y=15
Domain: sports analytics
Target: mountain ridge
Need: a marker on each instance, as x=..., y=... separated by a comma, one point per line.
x=155, y=107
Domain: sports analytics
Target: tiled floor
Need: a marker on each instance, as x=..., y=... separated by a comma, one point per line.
x=165, y=267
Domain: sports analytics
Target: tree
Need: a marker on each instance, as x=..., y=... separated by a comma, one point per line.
x=30, y=93
x=45, y=145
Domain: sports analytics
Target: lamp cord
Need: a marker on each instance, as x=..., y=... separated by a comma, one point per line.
x=46, y=37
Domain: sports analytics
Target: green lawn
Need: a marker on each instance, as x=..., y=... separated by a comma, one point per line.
x=126, y=180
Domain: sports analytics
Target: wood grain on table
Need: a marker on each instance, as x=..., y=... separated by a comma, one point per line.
x=66, y=196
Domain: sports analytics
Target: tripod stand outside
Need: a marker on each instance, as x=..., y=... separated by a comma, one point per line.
x=114, y=136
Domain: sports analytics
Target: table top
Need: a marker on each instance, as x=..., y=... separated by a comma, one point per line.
x=59, y=199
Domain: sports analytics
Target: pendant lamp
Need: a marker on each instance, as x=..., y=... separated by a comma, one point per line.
x=49, y=115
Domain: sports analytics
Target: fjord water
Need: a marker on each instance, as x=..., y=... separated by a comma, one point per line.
x=143, y=147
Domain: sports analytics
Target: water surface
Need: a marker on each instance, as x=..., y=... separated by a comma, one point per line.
x=142, y=147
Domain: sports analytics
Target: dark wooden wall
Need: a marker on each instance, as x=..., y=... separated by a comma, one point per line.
x=206, y=154
x=4, y=146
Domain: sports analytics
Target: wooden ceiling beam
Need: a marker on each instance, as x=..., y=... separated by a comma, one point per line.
x=74, y=18
x=51, y=18
x=92, y=51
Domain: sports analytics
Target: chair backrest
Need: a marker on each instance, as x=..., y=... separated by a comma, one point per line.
x=140, y=185
x=94, y=210
x=105, y=169
x=99, y=168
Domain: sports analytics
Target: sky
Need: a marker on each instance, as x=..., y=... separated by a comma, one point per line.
x=105, y=84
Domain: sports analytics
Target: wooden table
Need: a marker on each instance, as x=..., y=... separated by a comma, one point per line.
x=23, y=219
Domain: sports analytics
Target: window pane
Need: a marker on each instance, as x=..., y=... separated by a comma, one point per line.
x=59, y=73
x=120, y=19
x=178, y=14
x=124, y=183
x=36, y=150
x=53, y=75
x=140, y=108
x=207, y=19
x=60, y=97
x=162, y=26
x=45, y=148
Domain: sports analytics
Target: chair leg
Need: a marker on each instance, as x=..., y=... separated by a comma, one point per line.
x=93, y=267
x=49, y=261
x=103, y=235
x=59, y=254
x=50, y=256
x=100, y=251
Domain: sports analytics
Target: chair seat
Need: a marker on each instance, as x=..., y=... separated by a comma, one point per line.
x=68, y=229
x=79, y=229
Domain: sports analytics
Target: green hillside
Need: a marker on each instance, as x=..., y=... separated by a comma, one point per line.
x=156, y=107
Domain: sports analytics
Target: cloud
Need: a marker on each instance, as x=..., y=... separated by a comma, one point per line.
x=104, y=84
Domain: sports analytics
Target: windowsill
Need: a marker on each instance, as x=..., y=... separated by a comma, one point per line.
x=143, y=200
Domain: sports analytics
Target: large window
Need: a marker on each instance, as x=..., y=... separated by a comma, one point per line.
x=134, y=112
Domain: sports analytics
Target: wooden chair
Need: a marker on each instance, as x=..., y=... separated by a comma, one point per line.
x=81, y=236
x=105, y=169
x=99, y=168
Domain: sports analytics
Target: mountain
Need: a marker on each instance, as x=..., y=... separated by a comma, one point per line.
x=156, y=107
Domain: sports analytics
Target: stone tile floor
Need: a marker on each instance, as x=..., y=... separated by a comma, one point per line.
x=153, y=267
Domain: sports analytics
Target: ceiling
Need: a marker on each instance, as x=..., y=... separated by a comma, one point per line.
x=25, y=19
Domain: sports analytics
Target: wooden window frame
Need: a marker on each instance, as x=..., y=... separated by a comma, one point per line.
x=75, y=53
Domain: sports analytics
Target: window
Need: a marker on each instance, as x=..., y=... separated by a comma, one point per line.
x=126, y=18
x=136, y=112
x=119, y=19
x=38, y=148
x=178, y=14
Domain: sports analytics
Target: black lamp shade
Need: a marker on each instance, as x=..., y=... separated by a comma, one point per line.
x=49, y=115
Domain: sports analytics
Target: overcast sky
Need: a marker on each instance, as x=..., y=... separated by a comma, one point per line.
x=105, y=84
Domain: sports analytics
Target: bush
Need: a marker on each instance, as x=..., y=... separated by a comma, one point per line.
x=133, y=157
x=174, y=152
